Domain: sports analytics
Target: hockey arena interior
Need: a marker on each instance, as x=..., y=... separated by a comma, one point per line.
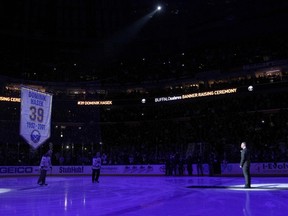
x=165, y=91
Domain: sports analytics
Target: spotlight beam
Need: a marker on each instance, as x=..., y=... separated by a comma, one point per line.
x=129, y=33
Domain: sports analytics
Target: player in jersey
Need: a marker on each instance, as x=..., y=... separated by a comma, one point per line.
x=96, y=166
x=45, y=165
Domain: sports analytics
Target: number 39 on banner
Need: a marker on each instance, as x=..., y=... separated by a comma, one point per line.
x=35, y=116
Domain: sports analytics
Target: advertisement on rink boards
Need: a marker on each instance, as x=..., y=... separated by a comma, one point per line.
x=233, y=169
x=268, y=169
x=84, y=170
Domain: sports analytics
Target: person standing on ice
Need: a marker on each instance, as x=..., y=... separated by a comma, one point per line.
x=245, y=164
x=45, y=165
x=96, y=166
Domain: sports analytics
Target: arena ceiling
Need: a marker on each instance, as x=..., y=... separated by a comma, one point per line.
x=57, y=40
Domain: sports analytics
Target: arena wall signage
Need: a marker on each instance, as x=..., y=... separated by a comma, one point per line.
x=35, y=122
x=10, y=99
x=196, y=95
x=94, y=103
x=156, y=100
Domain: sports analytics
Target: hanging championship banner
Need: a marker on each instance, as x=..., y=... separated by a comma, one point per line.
x=35, y=120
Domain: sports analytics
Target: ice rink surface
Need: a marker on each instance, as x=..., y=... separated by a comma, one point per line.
x=149, y=196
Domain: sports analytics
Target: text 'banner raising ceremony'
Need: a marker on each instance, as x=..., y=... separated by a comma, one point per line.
x=35, y=116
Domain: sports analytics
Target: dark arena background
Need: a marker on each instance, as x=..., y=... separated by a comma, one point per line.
x=156, y=87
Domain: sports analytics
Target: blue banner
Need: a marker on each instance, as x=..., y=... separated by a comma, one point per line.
x=35, y=123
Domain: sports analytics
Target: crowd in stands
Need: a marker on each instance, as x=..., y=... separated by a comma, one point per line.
x=149, y=67
x=135, y=133
x=151, y=133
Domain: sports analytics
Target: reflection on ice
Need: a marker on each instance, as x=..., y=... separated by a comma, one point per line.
x=4, y=190
x=135, y=195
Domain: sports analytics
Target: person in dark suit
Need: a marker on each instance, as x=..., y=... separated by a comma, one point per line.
x=245, y=164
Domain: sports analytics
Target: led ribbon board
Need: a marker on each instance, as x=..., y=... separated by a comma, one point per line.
x=35, y=120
